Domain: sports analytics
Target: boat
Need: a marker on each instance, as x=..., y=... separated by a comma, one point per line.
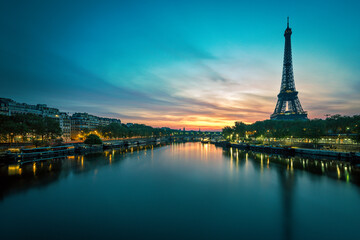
x=38, y=154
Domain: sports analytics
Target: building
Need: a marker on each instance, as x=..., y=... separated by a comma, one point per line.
x=65, y=125
x=4, y=106
x=106, y=121
x=288, y=106
x=84, y=122
x=71, y=126
x=48, y=111
x=10, y=107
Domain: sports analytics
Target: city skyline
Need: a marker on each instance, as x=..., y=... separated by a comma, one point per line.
x=203, y=65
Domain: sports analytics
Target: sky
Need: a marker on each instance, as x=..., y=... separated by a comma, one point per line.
x=193, y=64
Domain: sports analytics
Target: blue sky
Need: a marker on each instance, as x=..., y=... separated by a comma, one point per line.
x=179, y=63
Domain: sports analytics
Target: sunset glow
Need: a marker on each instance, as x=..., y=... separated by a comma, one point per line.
x=219, y=64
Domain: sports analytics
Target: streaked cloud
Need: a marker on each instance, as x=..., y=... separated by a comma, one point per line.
x=193, y=67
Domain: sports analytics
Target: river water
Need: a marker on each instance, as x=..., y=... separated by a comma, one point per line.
x=179, y=191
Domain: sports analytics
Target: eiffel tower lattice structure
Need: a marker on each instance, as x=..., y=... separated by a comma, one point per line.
x=288, y=106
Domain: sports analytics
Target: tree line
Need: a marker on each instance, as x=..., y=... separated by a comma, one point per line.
x=38, y=127
x=311, y=129
x=116, y=130
x=28, y=126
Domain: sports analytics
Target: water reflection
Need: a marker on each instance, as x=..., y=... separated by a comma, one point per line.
x=205, y=191
x=15, y=178
x=287, y=182
x=330, y=168
x=285, y=168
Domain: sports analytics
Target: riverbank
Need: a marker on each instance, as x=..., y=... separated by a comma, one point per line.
x=5, y=146
x=25, y=155
x=353, y=157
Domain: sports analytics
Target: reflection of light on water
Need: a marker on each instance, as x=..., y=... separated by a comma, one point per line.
x=34, y=168
x=231, y=158
x=237, y=158
x=347, y=175
x=82, y=161
x=338, y=171
x=287, y=164
x=112, y=156
x=50, y=167
x=204, y=151
x=333, y=169
x=152, y=154
x=246, y=159
x=14, y=170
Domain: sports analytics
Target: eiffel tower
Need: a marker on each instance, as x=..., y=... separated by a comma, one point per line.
x=288, y=106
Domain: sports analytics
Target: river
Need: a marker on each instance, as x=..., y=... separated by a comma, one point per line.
x=179, y=191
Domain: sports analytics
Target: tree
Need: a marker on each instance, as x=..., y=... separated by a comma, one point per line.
x=93, y=139
x=239, y=129
x=53, y=129
x=357, y=132
x=313, y=129
x=227, y=132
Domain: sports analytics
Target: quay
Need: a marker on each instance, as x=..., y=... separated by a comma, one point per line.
x=353, y=157
x=25, y=155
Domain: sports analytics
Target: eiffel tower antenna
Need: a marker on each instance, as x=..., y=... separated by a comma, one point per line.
x=287, y=22
x=288, y=106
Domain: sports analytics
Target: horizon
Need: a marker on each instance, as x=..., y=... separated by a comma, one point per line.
x=203, y=65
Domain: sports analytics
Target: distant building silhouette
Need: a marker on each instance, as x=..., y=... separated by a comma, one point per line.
x=70, y=126
x=288, y=106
